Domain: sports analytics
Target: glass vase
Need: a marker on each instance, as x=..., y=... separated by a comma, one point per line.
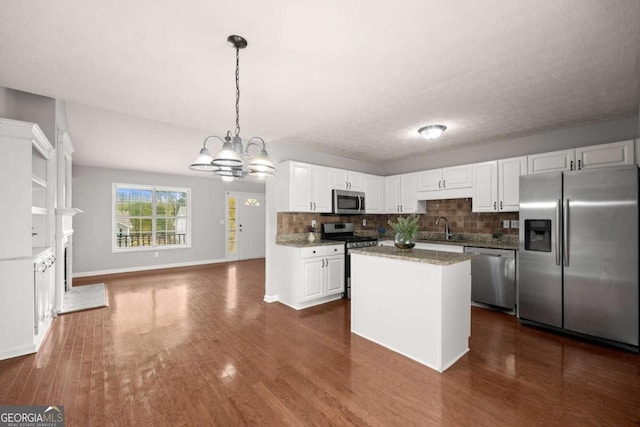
x=404, y=241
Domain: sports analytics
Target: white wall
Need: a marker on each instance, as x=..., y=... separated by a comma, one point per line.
x=29, y=107
x=600, y=133
x=92, y=192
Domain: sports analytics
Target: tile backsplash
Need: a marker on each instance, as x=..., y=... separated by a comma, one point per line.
x=457, y=211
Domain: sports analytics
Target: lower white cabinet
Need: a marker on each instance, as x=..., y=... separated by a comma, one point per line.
x=312, y=275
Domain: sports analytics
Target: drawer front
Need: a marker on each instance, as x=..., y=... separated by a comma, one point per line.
x=314, y=251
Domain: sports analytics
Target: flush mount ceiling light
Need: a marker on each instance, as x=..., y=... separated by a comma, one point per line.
x=431, y=131
x=233, y=160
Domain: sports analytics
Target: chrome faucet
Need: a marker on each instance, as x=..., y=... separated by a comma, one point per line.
x=447, y=235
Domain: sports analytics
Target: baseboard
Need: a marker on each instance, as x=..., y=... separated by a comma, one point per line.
x=147, y=267
x=270, y=298
x=15, y=352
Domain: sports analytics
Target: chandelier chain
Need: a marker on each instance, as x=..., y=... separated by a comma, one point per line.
x=237, y=92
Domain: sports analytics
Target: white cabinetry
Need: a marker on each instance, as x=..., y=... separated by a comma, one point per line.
x=446, y=179
x=509, y=173
x=448, y=183
x=28, y=188
x=304, y=188
x=402, y=195
x=496, y=185
x=314, y=275
x=600, y=156
x=374, y=193
x=594, y=156
x=347, y=180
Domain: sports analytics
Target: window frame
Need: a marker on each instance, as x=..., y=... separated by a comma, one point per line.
x=154, y=217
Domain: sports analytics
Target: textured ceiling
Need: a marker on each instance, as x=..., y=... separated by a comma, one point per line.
x=355, y=79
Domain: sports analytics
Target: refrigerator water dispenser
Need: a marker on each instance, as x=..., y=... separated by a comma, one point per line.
x=537, y=235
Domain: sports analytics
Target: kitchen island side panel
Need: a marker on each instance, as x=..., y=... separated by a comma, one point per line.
x=399, y=304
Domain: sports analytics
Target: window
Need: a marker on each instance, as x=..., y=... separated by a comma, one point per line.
x=147, y=217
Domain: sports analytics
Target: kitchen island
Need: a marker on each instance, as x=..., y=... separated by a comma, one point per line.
x=416, y=303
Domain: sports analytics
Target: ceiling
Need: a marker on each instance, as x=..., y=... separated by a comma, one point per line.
x=355, y=79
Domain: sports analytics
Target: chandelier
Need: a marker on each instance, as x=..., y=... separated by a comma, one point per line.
x=234, y=160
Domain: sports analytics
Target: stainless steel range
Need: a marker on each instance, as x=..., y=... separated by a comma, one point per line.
x=344, y=232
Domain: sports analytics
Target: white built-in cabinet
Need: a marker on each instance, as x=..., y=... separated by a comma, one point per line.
x=594, y=156
x=496, y=185
x=312, y=274
x=374, y=193
x=305, y=188
x=27, y=168
x=347, y=180
x=401, y=193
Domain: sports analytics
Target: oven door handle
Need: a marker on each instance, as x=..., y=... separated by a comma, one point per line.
x=359, y=204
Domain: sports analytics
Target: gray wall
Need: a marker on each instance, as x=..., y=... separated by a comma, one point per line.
x=28, y=107
x=581, y=136
x=92, y=192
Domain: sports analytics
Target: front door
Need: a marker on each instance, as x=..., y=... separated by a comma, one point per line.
x=251, y=225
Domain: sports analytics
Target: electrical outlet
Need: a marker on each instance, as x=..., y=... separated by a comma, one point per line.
x=505, y=223
x=222, y=222
x=313, y=223
x=515, y=223
x=156, y=254
x=364, y=222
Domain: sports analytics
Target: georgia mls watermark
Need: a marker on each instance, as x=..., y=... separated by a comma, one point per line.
x=31, y=416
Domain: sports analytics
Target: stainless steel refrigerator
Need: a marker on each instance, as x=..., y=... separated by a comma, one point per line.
x=578, y=258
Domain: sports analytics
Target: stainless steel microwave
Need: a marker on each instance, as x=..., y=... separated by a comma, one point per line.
x=348, y=202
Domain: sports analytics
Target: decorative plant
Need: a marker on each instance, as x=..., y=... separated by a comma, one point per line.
x=407, y=226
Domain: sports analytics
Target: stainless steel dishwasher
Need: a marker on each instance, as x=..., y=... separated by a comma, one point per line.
x=493, y=277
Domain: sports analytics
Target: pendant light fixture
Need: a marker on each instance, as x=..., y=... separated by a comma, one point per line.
x=233, y=160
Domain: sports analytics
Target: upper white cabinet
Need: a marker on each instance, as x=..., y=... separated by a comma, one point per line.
x=446, y=179
x=448, y=183
x=599, y=156
x=402, y=195
x=556, y=161
x=496, y=185
x=304, y=188
x=509, y=173
x=374, y=193
x=347, y=180
x=594, y=156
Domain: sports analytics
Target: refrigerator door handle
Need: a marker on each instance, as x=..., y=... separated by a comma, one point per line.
x=565, y=227
x=558, y=237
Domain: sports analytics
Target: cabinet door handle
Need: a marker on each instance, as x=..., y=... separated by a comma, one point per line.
x=314, y=206
x=310, y=206
x=444, y=183
x=495, y=207
x=322, y=262
x=401, y=208
x=579, y=164
x=439, y=184
x=571, y=165
x=501, y=205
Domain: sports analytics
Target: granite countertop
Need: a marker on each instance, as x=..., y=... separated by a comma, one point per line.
x=307, y=244
x=468, y=242
x=415, y=255
x=476, y=243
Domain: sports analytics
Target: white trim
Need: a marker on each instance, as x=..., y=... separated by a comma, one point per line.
x=148, y=267
x=18, y=351
x=270, y=298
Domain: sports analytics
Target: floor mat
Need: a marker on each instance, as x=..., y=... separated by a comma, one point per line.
x=84, y=298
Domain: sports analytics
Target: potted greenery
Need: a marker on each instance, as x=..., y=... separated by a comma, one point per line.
x=406, y=230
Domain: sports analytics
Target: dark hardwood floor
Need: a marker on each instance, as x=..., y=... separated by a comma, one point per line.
x=197, y=346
